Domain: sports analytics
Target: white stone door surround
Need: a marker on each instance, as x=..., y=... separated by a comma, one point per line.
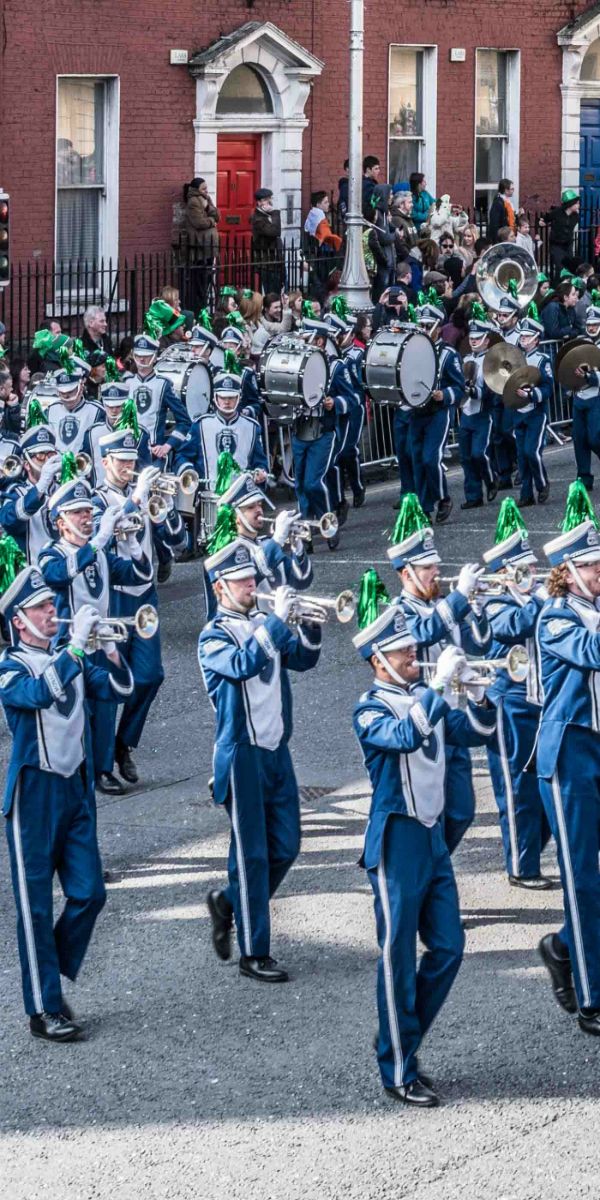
x=575, y=39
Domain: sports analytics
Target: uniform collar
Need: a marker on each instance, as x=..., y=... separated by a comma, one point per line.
x=146, y=378
x=396, y=688
x=236, y=616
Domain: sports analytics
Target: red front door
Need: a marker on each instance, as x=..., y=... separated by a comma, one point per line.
x=238, y=177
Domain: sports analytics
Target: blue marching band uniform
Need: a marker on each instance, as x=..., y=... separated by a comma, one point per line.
x=430, y=425
x=531, y=419
x=476, y=422
x=586, y=409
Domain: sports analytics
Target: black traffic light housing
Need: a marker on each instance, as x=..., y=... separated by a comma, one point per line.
x=4, y=239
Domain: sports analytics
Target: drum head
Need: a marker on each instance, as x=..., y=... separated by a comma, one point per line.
x=314, y=379
x=197, y=390
x=418, y=369
x=217, y=358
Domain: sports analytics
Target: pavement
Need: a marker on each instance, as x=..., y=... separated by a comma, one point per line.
x=195, y=1084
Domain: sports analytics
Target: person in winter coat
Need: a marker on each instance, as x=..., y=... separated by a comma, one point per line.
x=563, y=221
x=559, y=316
x=267, y=246
x=502, y=212
x=422, y=200
x=382, y=240
x=201, y=218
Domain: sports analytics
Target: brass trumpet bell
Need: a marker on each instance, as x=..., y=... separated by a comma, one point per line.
x=84, y=464
x=11, y=467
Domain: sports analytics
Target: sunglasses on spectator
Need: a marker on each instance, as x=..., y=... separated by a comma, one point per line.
x=447, y=245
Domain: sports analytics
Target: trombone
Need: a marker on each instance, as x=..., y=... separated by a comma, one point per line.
x=12, y=467
x=116, y=629
x=327, y=525
x=516, y=664
x=314, y=608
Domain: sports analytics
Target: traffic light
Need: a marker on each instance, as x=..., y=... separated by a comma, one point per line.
x=4, y=239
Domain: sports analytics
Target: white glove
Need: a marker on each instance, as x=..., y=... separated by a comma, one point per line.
x=283, y=523
x=450, y=663
x=48, y=474
x=284, y=597
x=134, y=548
x=84, y=622
x=469, y=579
x=540, y=591
x=109, y=647
x=466, y=673
x=143, y=486
x=106, y=527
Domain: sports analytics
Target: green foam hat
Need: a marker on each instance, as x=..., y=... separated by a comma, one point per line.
x=410, y=519
x=578, y=508
x=372, y=593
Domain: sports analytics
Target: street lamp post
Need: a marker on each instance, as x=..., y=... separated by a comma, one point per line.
x=354, y=283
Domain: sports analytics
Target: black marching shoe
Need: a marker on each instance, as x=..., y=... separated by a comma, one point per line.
x=588, y=1020
x=109, y=784
x=491, y=492
x=532, y=883
x=559, y=970
x=443, y=511
x=221, y=915
x=526, y=503
x=505, y=485
x=342, y=512
x=55, y=1027
x=416, y=1093
x=263, y=969
x=164, y=571
x=126, y=765
x=333, y=542
x=471, y=504
x=359, y=499
x=543, y=495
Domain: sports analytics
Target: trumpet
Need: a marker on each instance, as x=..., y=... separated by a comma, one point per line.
x=516, y=664
x=116, y=629
x=521, y=578
x=129, y=523
x=327, y=525
x=84, y=464
x=167, y=484
x=314, y=608
x=11, y=467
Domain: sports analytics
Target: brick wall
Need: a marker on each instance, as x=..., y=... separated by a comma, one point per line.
x=158, y=100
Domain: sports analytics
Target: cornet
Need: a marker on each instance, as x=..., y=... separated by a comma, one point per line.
x=313, y=608
x=170, y=485
x=521, y=578
x=132, y=522
x=116, y=629
x=516, y=664
x=84, y=464
x=327, y=525
x=11, y=467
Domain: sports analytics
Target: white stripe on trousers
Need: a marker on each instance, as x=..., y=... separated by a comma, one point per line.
x=241, y=866
x=486, y=455
x=32, y=959
x=538, y=453
x=510, y=796
x=388, y=974
x=441, y=474
x=571, y=892
x=324, y=476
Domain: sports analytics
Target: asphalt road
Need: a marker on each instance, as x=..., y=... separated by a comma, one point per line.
x=197, y=1084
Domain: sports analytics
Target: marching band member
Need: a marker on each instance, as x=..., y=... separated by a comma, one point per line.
x=72, y=414
x=119, y=449
x=430, y=425
x=203, y=342
x=23, y=511
x=513, y=616
x=226, y=429
x=586, y=407
x=350, y=461
x=342, y=385
x=155, y=399
x=236, y=341
x=405, y=730
x=506, y=316
x=436, y=622
x=568, y=759
x=531, y=419
x=244, y=657
x=475, y=427
x=113, y=398
x=81, y=570
x=49, y=801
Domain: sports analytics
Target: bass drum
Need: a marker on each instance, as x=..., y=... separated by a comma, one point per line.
x=293, y=375
x=401, y=366
x=192, y=382
x=217, y=359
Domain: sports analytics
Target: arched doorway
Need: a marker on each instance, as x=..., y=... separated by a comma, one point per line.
x=239, y=155
x=580, y=159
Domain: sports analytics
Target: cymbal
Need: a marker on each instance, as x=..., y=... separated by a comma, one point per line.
x=499, y=364
x=566, y=346
x=470, y=371
x=523, y=377
x=587, y=354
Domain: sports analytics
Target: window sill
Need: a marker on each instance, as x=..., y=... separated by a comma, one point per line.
x=67, y=303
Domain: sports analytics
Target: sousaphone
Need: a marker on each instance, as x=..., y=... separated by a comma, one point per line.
x=504, y=270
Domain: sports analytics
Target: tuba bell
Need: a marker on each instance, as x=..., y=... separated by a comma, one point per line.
x=496, y=270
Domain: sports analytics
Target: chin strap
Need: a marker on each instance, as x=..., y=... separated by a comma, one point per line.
x=29, y=625
x=247, y=526
x=574, y=573
x=381, y=658
x=72, y=528
x=415, y=578
x=234, y=604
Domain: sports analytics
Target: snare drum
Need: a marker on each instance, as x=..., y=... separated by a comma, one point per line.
x=209, y=503
x=191, y=380
x=401, y=366
x=293, y=375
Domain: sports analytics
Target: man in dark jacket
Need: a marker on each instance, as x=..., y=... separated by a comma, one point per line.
x=502, y=213
x=371, y=173
x=559, y=317
x=563, y=221
x=382, y=240
x=95, y=330
x=267, y=246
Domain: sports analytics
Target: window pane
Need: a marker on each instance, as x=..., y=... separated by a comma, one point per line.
x=489, y=156
x=406, y=92
x=404, y=159
x=590, y=67
x=77, y=225
x=244, y=91
x=491, y=92
x=80, y=141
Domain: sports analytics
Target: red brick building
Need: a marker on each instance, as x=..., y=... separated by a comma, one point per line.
x=103, y=119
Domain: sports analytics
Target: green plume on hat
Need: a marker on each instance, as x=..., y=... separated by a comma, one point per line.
x=509, y=520
x=513, y=288
x=578, y=508
x=112, y=371
x=43, y=342
x=339, y=306
x=412, y=314
x=129, y=417
x=225, y=530
x=533, y=312
x=12, y=560
x=68, y=470
x=80, y=350
x=595, y=296
x=542, y=277
x=228, y=290
x=35, y=414
x=236, y=318
x=478, y=312
x=308, y=310
x=231, y=363
x=410, y=519
x=247, y=293
x=371, y=594
x=227, y=469
x=65, y=359
x=428, y=297
x=204, y=319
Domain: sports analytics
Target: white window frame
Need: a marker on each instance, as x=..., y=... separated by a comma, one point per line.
x=427, y=162
x=108, y=234
x=512, y=139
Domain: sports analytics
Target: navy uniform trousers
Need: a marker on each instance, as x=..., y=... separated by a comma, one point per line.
x=572, y=802
x=523, y=822
x=264, y=810
x=402, y=450
x=143, y=657
x=586, y=437
x=503, y=442
x=52, y=828
x=427, y=441
x=315, y=475
x=459, y=807
x=415, y=893
x=530, y=431
x=474, y=434
x=349, y=454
